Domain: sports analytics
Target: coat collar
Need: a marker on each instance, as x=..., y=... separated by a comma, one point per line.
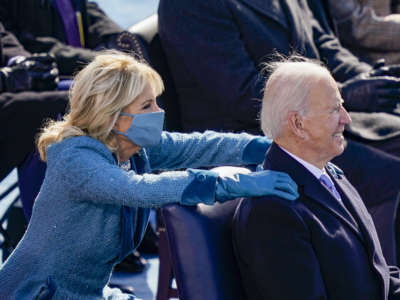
x=278, y=160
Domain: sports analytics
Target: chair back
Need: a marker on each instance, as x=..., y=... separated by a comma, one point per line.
x=201, y=250
x=10, y=216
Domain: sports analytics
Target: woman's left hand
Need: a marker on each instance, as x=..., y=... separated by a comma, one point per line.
x=261, y=183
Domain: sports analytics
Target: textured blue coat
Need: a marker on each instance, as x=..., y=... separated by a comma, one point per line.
x=76, y=233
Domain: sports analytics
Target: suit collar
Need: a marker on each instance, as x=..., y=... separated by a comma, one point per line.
x=277, y=160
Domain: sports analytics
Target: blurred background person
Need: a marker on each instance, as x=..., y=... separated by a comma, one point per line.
x=368, y=28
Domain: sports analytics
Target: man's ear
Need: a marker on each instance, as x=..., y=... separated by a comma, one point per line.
x=296, y=124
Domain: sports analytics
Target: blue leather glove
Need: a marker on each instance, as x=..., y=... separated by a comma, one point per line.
x=261, y=183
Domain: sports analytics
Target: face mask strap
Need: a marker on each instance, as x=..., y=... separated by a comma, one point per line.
x=126, y=114
x=118, y=132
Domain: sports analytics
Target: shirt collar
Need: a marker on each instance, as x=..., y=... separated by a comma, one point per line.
x=317, y=172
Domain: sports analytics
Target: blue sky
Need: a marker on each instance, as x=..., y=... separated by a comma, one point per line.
x=128, y=12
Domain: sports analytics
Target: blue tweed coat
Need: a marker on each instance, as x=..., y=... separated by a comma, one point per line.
x=77, y=232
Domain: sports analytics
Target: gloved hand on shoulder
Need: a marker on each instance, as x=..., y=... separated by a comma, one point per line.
x=35, y=73
x=261, y=183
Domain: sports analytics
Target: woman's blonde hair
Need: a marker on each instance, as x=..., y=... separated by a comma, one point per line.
x=101, y=90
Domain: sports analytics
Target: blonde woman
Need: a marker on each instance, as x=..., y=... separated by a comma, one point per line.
x=94, y=204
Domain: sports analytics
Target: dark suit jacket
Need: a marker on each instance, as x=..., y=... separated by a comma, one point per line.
x=311, y=248
x=16, y=137
x=215, y=48
x=39, y=28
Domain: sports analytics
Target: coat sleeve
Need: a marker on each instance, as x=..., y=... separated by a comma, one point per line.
x=218, y=64
x=358, y=23
x=340, y=61
x=97, y=27
x=100, y=26
x=87, y=174
x=275, y=254
x=9, y=46
x=178, y=150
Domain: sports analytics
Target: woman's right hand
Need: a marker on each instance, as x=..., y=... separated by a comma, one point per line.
x=261, y=183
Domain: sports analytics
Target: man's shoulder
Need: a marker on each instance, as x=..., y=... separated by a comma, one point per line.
x=267, y=207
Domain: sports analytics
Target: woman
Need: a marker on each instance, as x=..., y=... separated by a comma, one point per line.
x=94, y=204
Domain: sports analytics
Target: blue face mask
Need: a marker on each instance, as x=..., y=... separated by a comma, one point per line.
x=145, y=129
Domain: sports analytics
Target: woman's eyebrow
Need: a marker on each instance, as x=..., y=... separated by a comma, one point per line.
x=147, y=101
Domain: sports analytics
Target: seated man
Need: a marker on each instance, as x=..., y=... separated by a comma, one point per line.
x=216, y=49
x=324, y=245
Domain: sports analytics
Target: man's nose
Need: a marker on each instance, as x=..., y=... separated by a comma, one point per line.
x=345, y=117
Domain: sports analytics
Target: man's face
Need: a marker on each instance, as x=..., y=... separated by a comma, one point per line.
x=324, y=120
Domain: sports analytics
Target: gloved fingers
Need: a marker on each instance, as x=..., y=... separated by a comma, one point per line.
x=388, y=93
x=288, y=186
x=387, y=83
x=39, y=67
x=46, y=76
x=45, y=58
x=283, y=178
x=286, y=195
x=386, y=105
x=392, y=70
x=379, y=63
x=40, y=62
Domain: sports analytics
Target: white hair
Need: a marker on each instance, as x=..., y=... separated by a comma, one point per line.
x=287, y=90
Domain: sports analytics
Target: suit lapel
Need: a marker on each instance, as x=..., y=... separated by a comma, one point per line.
x=356, y=207
x=278, y=160
x=367, y=227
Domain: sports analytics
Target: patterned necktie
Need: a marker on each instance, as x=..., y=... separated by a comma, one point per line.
x=327, y=182
x=68, y=16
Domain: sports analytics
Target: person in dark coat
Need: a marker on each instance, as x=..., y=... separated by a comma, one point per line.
x=27, y=98
x=216, y=50
x=324, y=245
x=43, y=29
